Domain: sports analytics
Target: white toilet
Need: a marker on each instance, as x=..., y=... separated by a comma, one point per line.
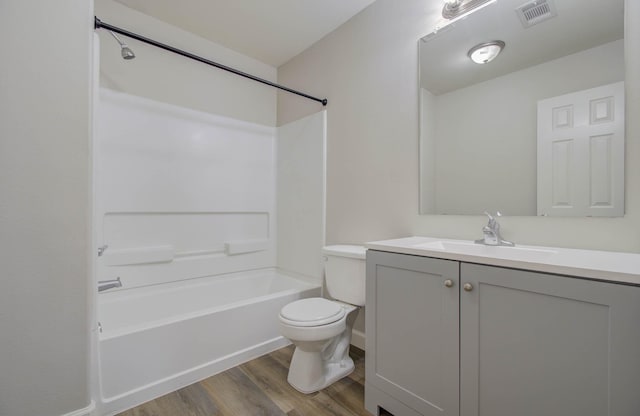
x=321, y=328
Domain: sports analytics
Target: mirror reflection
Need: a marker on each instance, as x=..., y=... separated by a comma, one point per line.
x=536, y=130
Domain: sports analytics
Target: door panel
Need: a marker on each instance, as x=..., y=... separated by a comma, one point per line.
x=537, y=344
x=412, y=331
x=581, y=153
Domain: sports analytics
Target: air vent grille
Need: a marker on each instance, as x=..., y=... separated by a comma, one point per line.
x=534, y=12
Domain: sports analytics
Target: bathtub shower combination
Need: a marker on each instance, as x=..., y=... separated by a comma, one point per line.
x=158, y=339
x=185, y=216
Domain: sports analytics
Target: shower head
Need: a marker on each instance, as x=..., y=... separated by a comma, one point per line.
x=126, y=52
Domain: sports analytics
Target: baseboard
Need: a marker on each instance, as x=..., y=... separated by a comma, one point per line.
x=87, y=411
x=358, y=339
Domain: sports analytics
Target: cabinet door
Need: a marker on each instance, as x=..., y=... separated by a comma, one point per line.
x=536, y=344
x=412, y=322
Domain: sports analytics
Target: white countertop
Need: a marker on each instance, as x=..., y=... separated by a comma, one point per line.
x=601, y=265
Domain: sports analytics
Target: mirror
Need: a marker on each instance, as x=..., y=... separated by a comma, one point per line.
x=480, y=124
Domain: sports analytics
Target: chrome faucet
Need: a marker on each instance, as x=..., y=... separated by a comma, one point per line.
x=491, y=233
x=108, y=284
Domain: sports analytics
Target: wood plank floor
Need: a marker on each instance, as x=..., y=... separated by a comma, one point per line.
x=260, y=387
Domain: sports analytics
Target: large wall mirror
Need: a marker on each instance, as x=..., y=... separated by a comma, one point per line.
x=539, y=130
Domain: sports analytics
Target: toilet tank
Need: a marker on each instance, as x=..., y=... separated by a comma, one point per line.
x=345, y=272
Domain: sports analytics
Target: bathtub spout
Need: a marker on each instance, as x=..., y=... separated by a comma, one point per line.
x=109, y=284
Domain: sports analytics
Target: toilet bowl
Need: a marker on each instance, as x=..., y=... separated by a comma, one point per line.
x=321, y=328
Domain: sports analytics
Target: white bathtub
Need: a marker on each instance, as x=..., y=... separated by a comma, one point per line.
x=160, y=338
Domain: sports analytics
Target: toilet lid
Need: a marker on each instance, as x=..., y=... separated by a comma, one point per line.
x=312, y=312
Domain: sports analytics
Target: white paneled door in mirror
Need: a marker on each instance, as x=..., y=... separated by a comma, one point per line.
x=581, y=153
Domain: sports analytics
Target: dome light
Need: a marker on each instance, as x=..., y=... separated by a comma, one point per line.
x=486, y=52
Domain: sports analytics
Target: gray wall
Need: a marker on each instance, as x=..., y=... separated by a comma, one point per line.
x=44, y=206
x=166, y=77
x=368, y=69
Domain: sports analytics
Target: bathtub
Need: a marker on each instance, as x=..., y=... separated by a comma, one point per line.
x=156, y=339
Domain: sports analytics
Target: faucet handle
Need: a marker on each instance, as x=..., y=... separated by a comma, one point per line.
x=491, y=217
x=492, y=220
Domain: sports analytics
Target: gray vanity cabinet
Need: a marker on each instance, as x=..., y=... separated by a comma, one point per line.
x=412, y=319
x=528, y=343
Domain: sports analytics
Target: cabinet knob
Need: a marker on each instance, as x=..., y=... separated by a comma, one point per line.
x=448, y=283
x=468, y=287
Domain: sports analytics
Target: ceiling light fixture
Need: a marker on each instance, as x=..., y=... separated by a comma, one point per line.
x=486, y=52
x=454, y=9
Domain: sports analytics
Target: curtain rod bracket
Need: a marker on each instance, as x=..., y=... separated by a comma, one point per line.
x=99, y=24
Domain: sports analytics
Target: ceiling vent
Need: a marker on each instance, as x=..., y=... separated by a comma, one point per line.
x=536, y=11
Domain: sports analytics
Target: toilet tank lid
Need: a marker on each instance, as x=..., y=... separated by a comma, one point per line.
x=345, y=250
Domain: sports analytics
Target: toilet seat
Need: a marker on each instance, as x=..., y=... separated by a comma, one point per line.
x=311, y=312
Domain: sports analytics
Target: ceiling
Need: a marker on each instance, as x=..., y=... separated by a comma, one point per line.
x=271, y=31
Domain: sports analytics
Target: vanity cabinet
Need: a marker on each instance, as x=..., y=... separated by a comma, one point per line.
x=453, y=338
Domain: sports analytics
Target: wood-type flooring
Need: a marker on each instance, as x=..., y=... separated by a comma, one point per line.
x=259, y=387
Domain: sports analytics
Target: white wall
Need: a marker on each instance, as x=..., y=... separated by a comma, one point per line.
x=368, y=69
x=44, y=206
x=485, y=134
x=170, y=78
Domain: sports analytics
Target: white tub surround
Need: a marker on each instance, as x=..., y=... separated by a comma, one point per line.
x=600, y=265
x=180, y=194
x=86, y=411
x=300, y=185
x=185, y=216
x=158, y=339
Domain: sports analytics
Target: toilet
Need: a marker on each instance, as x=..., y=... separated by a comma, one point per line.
x=321, y=328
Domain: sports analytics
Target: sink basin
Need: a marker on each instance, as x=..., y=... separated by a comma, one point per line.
x=521, y=253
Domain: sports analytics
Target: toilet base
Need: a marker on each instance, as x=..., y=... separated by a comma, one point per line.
x=315, y=365
x=309, y=373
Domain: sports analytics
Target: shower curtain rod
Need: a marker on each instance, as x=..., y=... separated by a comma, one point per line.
x=99, y=24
